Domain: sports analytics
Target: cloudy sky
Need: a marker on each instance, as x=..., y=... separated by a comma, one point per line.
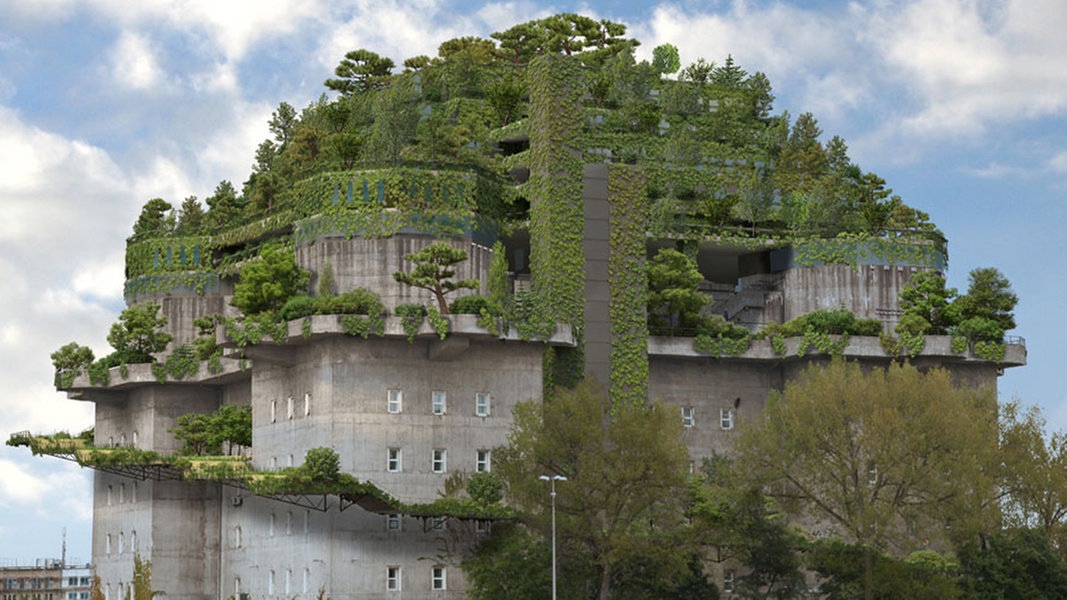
x=960, y=104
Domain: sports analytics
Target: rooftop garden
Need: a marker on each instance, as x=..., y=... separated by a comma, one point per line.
x=449, y=137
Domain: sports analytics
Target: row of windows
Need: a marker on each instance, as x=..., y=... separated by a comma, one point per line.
x=291, y=408
x=78, y=595
x=394, y=460
x=121, y=543
x=121, y=493
x=726, y=417
x=393, y=522
x=394, y=579
x=76, y=581
x=394, y=402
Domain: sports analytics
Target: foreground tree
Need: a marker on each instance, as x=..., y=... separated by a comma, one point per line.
x=876, y=453
x=626, y=474
x=434, y=269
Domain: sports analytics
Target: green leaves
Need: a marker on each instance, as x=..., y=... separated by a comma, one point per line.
x=137, y=331
x=266, y=284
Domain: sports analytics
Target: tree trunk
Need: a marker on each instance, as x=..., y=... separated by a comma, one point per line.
x=868, y=573
x=605, y=583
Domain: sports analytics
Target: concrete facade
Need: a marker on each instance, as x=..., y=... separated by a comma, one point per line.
x=407, y=415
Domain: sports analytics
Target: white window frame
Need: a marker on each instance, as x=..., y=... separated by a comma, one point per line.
x=393, y=522
x=273, y=411
x=482, y=526
x=289, y=407
x=438, y=402
x=483, y=462
x=394, y=401
x=482, y=404
x=688, y=416
x=728, y=581
x=394, y=460
x=439, y=460
x=393, y=578
x=438, y=578
x=307, y=404
x=726, y=418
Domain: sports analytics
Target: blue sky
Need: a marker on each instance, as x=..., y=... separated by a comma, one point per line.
x=960, y=104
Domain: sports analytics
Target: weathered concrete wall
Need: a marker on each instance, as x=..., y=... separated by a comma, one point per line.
x=709, y=386
x=346, y=380
x=180, y=311
x=346, y=553
x=869, y=291
x=172, y=524
x=371, y=262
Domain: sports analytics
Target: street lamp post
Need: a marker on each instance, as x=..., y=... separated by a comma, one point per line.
x=552, y=480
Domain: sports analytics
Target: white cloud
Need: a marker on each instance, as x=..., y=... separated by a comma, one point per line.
x=38, y=487
x=133, y=63
x=232, y=27
x=1058, y=162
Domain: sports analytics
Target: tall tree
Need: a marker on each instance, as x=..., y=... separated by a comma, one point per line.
x=223, y=206
x=869, y=453
x=989, y=296
x=926, y=296
x=674, y=302
x=360, y=71
x=190, y=216
x=153, y=220
x=626, y=474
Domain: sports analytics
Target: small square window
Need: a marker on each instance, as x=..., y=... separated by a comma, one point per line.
x=438, y=579
x=726, y=418
x=483, y=464
x=392, y=522
x=437, y=400
x=394, y=463
x=438, y=462
x=482, y=526
x=392, y=579
x=481, y=404
x=687, y=416
x=395, y=401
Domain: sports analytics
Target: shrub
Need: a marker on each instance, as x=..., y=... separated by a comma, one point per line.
x=980, y=329
x=469, y=305
x=297, y=307
x=485, y=488
x=322, y=464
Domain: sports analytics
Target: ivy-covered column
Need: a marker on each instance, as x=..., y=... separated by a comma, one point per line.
x=556, y=217
x=628, y=285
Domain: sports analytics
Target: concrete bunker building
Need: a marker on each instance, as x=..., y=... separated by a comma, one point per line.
x=406, y=414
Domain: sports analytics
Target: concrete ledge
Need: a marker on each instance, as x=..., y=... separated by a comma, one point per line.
x=458, y=325
x=140, y=374
x=937, y=346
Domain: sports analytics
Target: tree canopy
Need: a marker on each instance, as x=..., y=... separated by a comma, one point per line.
x=626, y=476
x=869, y=452
x=267, y=283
